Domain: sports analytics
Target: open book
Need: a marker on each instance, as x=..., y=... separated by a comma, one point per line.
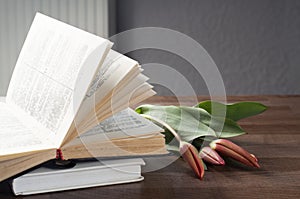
x=66, y=81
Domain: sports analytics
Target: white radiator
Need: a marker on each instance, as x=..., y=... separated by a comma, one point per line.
x=16, y=17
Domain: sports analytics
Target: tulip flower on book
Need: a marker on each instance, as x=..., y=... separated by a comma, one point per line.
x=207, y=120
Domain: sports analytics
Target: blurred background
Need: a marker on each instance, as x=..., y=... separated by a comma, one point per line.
x=254, y=43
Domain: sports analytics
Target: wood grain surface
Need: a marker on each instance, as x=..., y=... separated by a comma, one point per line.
x=274, y=137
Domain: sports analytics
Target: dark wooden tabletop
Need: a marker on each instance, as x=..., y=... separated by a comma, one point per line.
x=274, y=137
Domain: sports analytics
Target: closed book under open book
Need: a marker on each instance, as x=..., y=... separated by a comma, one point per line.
x=84, y=174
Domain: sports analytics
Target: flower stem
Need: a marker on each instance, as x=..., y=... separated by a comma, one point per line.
x=163, y=124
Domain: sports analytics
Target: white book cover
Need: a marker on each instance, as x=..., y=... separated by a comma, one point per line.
x=83, y=175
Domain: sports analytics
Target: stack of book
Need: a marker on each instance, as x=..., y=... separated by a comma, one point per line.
x=68, y=98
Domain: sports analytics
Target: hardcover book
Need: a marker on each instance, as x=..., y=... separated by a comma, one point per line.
x=82, y=175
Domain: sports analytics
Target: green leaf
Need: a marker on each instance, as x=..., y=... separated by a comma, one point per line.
x=235, y=111
x=187, y=121
x=230, y=128
x=223, y=127
x=192, y=122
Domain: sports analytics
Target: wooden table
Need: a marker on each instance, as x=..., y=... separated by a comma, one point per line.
x=274, y=137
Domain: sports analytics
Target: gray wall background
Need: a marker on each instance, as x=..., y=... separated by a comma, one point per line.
x=255, y=43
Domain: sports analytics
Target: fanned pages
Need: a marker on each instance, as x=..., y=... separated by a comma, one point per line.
x=118, y=83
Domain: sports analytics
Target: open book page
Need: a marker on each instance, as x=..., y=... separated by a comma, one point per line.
x=53, y=72
x=126, y=123
x=125, y=94
x=113, y=71
x=111, y=103
x=141, y=93
x=119, y=100
x=15, y=136
x=124, y=134
x=131, y=89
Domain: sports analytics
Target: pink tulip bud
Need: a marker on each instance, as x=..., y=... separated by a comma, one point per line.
x=190, y=155
x=254, y=157
x=211, y=156
x=228, y=148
